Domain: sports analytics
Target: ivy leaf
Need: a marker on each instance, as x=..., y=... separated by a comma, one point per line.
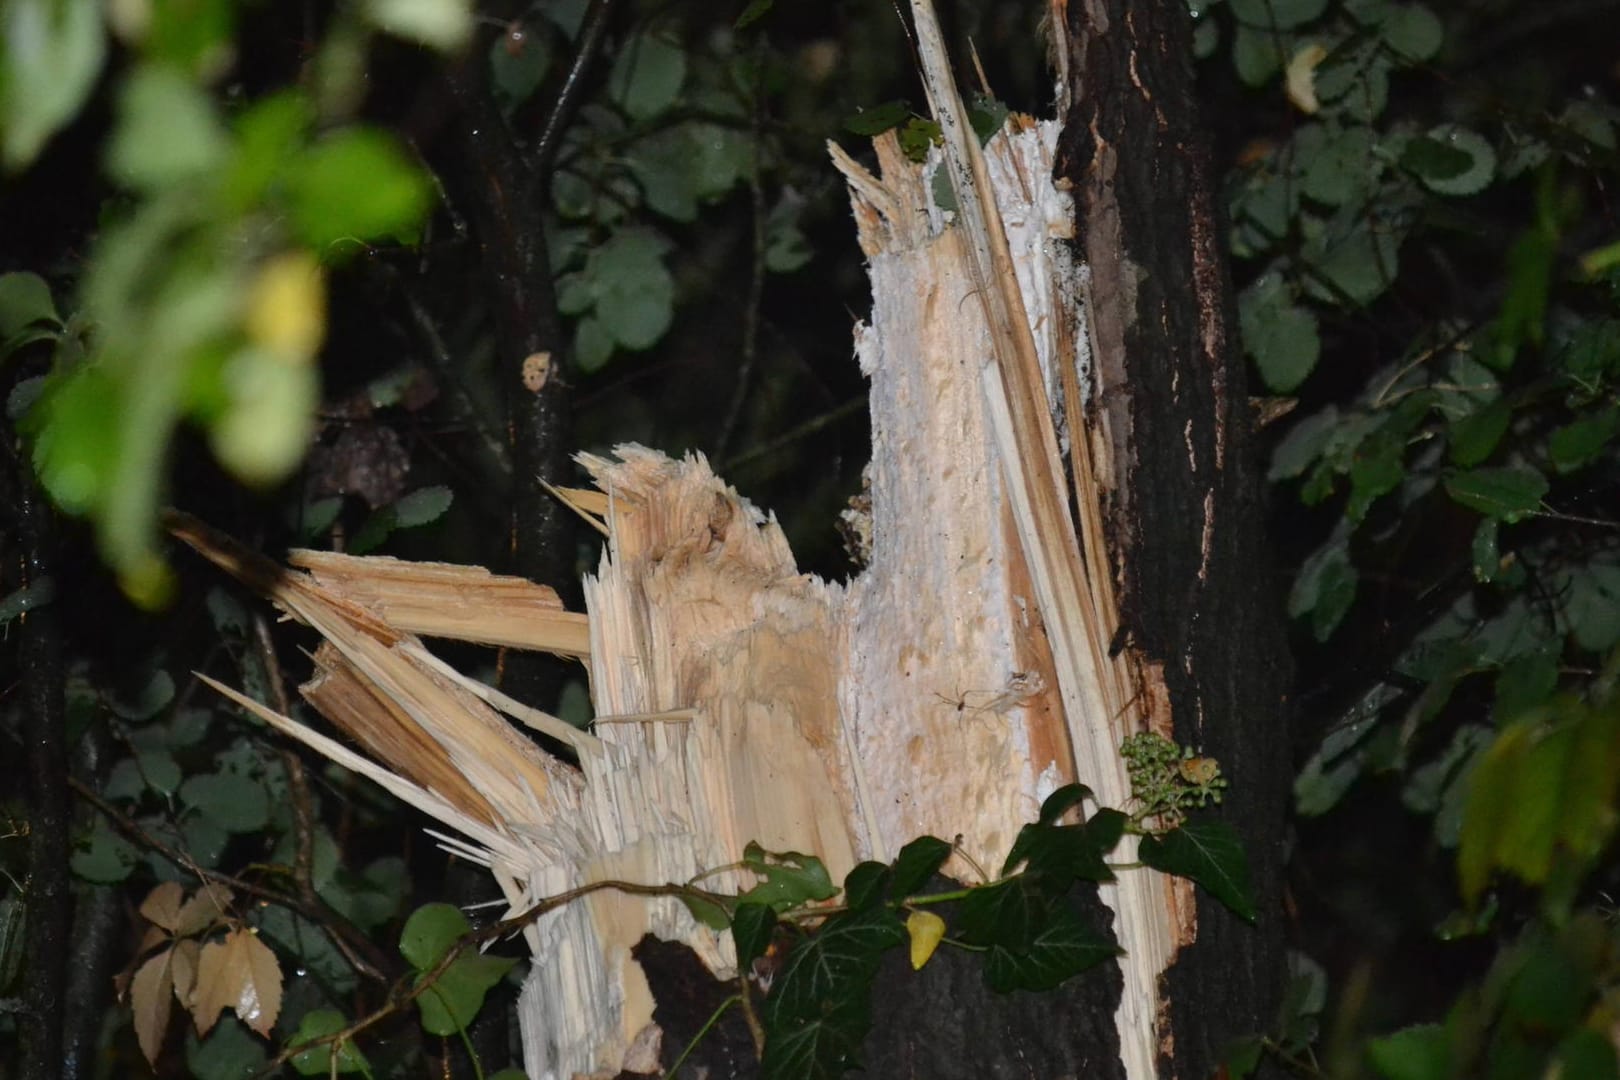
x=833, y=966
x=1210, y=854
x=1009, y=913
x=791, y=878
x=820, y=1047
x=917, y=862
x=1508, y=493
x=1064, y=947
x=925, y=930
x=751, y=930
x=866, y=884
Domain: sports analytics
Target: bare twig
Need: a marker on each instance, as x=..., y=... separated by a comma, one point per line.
x=592, y=30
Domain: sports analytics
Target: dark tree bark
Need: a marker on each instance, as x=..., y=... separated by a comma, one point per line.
x=1186, y=520
x=47, y=892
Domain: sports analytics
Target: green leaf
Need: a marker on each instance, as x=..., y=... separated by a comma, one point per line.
x=155, y=769
x=1007, y=913
x=1456, y=161
x=1280, y=337
x=1415, y=1053
x=1257, y=55
x=877, y=119
x=1412, y=30
x=1304, y=443
x=1062, y=948
x=317, y=1061
x=593, y=344
x=1508, y=493
x=356, y=185
x=1210, y=854
x=1325, y=588
x=866, y=884
x=25, y=299
x=1345, y=166
x=235, y=803
x=429, y=933
x=1524, y=684
x=422, y=506
x=1351, y=262
x=1062, y=853
x=647, y=76
x=791, y=880
x=819, y=1047
x=269, y=417
x=270, y=134
x=1061, y=801
x=1545, y=786
x=195, y=37
x=1377, y=468
x=153, y=697
x=231, y=1052
x=708, y=913
x=453, y=1001
x=1474, y=437
x=50, y=56
x=1578, y=444
x=105, y=857
x=987, y=115
x=168, y=131
x=440, y=24
x=751, y=929
x=917, y=862
x=837, y=962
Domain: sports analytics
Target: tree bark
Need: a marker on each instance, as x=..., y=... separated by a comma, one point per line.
x=1184, y=514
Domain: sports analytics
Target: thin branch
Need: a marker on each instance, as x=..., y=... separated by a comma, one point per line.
x=756, y=273
x=357, y=949
x=592, y=30
x=809, y=427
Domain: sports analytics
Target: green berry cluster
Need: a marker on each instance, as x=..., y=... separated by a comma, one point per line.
x=1168, y=780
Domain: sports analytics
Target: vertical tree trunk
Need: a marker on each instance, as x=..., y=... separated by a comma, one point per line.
x=1184, y=515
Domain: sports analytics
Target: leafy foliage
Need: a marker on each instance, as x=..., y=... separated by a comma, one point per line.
x=1463, y=432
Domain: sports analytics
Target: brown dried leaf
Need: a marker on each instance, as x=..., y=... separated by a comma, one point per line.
x=241, y=972
x=184, y=969
x=203, y=910
x=162, y=905
x=150, y=1003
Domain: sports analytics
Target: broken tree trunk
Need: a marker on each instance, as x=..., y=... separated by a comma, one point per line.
x=977, y=664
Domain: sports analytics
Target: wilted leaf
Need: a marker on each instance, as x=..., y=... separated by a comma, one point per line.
x=239, y=973
x=203, y=909
x=925, y=929
x=151, y=997
x=162, y=906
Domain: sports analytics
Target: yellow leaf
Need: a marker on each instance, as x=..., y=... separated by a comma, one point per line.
x=1301, y=77
x=287, y=307
x=925, y=929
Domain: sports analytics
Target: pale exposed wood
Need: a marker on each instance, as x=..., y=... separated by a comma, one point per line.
x=1075, y=606
x=467, y=603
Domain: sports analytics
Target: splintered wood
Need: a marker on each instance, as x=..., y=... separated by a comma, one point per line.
x=946, y=690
